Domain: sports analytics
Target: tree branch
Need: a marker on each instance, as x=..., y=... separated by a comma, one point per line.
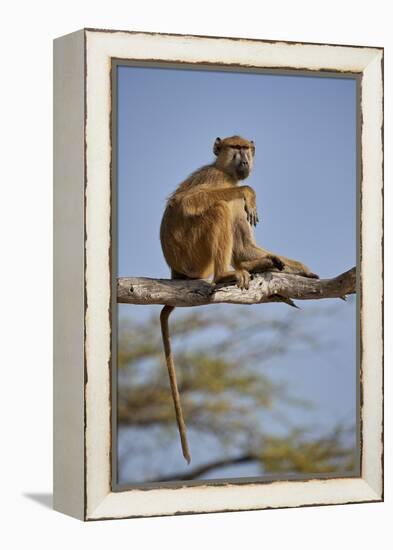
x=264, y=287
x=206, y=468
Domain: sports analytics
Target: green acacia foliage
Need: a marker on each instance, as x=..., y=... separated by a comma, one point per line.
x=222, y=365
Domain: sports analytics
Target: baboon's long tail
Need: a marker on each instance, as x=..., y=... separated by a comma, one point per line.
x=165, y=312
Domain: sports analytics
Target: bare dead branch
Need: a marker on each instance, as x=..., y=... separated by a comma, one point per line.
x=264, y=287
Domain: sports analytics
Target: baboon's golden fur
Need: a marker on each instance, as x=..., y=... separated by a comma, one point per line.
x=206, y=225
x=207, y=230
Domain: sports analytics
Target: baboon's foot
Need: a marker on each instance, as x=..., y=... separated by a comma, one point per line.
x=305, y=272
x=309, y=274
x=297, y=268
x=240, y=276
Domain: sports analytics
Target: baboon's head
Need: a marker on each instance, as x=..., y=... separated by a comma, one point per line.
x=235, y=155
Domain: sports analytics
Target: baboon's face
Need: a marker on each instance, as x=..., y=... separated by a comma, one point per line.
x=235, y=155
x=241, y=160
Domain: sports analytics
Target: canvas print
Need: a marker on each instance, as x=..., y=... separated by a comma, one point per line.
x=235, y=213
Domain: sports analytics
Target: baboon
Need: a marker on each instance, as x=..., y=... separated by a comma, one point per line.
x=207, y=227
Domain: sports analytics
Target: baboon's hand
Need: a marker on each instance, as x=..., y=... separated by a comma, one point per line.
x=277, y=262
x=250, y=205
x=252, y=215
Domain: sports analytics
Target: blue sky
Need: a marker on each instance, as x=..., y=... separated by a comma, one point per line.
x=304, y=128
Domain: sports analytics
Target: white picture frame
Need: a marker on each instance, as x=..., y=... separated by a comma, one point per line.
x=84, y=285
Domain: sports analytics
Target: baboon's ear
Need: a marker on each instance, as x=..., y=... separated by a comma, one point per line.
x=217, y=146
x=252, y=147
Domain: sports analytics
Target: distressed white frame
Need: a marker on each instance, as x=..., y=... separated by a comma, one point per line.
x=91, y=431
